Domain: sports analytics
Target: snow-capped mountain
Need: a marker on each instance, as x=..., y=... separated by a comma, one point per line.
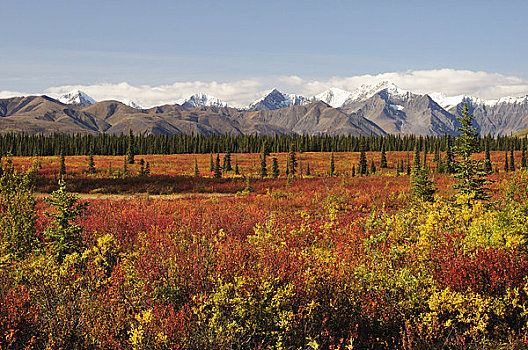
x=130, y=103
x=203, y=100
x=389, y=107
x=76, y=97
x=502, y=116
x=334, y=97
x=337, y=98
x=398, y=111
x=386, y=88
x=448, y=102
x=276, y=100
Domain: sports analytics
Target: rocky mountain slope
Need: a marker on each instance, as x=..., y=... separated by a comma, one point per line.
x=42, y=114
x=371, y=109
x=203, y=100
x=277, y=100
x=504, y=116
x=397, y=111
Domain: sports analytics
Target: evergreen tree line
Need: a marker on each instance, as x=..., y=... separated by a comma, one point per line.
x=106, y=144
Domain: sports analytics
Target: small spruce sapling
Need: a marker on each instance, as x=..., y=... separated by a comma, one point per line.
x=217, y=169
x=64, y=234
x=274, y=167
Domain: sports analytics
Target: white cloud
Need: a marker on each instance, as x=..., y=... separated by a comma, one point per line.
x=242, y=92
x=236, y=92
x=449, y=81
x=8, y=94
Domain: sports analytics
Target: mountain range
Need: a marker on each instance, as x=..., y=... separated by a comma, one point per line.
x=377, y=109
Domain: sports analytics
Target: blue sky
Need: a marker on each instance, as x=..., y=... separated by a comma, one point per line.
x=48, y=45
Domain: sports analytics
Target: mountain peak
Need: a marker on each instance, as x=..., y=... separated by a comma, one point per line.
x=201, y=99
x=276, y=100
x=76, y=97
x=130, y=103
x=334, y=97
x=388, y=86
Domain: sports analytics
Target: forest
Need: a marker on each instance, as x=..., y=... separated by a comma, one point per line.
x=18, y=144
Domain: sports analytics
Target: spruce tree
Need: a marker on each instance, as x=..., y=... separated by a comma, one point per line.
x=141, y=167
x=421, y=186
x=353, y=170
x=237, y=171
x=211, y=163
x=506, y=165
x=372, y=167
x=408, y=170
x=62, y=169
x=470, y=173
x=487, y=161
x=196, y=171
x=308, y=169
x=263, y=168
x=274, y=167
x=125, y=166
x=227, y=161
x=436, y=155
x=300, y=165
x=440, y=168
x=417, y=161
x=331, y=168
x=265, y=149
x=131, y=148
x=217, y=169
x=292, y=158
x=450, y=159
x=147, y=168
x=383, y=160
x=64, y=235
x=512, y=160
x=362, y=167
x=91, y=164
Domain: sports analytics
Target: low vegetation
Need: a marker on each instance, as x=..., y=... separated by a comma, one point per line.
x=408, y=257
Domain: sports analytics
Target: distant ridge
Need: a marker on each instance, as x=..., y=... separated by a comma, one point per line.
x=386, y=106
x=42, y=114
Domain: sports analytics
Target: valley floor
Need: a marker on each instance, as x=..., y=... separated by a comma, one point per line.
x=176, y=260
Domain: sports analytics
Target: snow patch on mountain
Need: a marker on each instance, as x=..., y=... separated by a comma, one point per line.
x=130, y=103
x=334, y=97
x=396, y=107
x=276, y=100
x=508, y=99
x=76, y=97
x=366, y=91
x=202, y=100
x=448, y=102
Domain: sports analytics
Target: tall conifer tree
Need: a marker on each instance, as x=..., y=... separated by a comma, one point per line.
x=470, y=173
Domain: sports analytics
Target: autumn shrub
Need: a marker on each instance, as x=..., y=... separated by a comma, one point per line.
x=325, y=263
